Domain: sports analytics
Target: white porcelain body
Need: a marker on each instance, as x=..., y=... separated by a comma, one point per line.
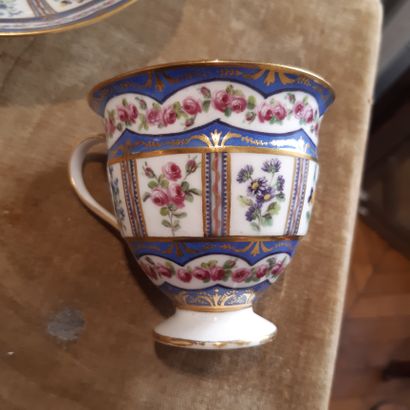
x=212, y=169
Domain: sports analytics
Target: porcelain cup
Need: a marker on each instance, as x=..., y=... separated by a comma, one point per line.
x=212, y=168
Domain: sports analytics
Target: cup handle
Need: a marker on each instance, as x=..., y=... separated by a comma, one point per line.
x=75, y=170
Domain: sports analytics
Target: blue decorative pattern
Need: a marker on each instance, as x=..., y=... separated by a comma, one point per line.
x=138, y=143
x=162, y=83
x=218, y=293
x=182, y=252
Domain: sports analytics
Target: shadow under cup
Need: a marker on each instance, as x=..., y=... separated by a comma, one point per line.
x=213, y=168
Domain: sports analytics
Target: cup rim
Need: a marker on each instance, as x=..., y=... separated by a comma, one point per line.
x=213, y=63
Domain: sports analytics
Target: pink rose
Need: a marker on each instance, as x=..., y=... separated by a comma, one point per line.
x=191, y=166
x=159, y=197
x=149, y=270
x=127, y=113
x=298, y=109
x=163, y=271
x=278, y=268
x=176, y=195
x=217, y=273
x=154, y=116
x=172, y=171
x=279, y=111
x=201, y=274
x=221, y=100
x=149, y=172
x=205, y=91
x=239, y=275
x=169, y=116
x=184, y=275
x=109, y=126
x=265, y=112
x=262, y=271
x=308, y=114
x=191, y=106
x=189, y=122
x=238, y=104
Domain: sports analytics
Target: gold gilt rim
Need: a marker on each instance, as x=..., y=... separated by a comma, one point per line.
x=212, y=238
x=215, y=63
x=189, y=343
x=70, y=26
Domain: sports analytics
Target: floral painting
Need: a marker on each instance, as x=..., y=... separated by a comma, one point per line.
x=169, y=189
x=229, y=101
x=214, y=270
x=10, y=8
x=118, y=207
x=264, y=193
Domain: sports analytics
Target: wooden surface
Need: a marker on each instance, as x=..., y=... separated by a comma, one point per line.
x=76, y=313
x=376, y=326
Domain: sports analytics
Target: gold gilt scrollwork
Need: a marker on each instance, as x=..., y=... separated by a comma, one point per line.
x=270, y=76
x=254, y=247
x=230, y=300
x=180, y=248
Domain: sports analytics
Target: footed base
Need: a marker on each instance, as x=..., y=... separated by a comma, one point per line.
x=215, y=330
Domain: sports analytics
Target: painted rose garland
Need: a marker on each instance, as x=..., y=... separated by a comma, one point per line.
x=170, y=189
x=212, y=271
x=263, y=193
x=228, y=101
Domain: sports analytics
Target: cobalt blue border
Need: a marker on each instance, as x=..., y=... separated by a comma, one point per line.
x=182, y=76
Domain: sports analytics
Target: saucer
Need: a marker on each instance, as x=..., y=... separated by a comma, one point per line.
x=32, y=17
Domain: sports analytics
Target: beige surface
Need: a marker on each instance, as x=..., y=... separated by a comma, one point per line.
x=54, y=255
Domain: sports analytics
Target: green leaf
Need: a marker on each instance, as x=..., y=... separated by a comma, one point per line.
x=229, y=89
x=230, y=263
x=280, y=196
x=177, y=106
x=228, y=112
x=205, y=105
x=273, y=208
x=156, y=106
x=267, y=220
x=251, y=102
x=166, y=223
x=204, y=265
x=305, y=99
x=152, y=184
x=212, y=263
x=181, y=215
x=169, y=265
x=176, y=225
x=185, y=186
x=172, y=207
x=255, y=226
x=145, y=196
x=149, y=260
x=189, y=197
x=164, y=211
x=124, y=102
x=245, y=200
x=163, y=182
x=119, y=127
x=195, y=191
x=238, y=92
